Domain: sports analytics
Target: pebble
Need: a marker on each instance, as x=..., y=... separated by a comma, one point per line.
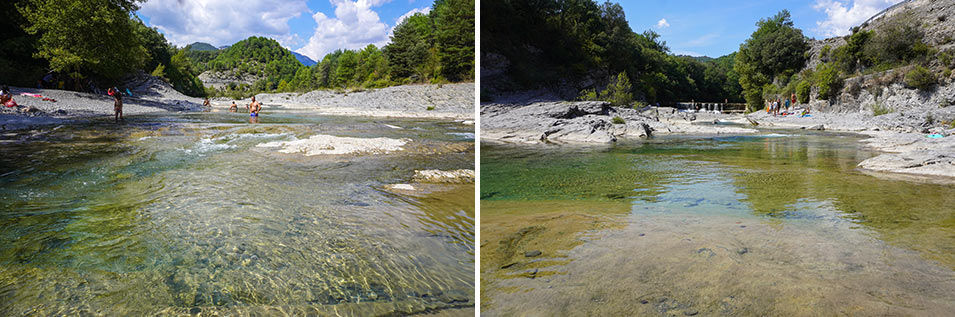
x=742, y=251
x=644, y=302
x=691, y=313
x=531, y=254
x=643, y=234
x=195, y=310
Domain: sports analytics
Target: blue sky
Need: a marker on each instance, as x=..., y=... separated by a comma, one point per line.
x=716, y=28
x=316, y=27
x=313, y=27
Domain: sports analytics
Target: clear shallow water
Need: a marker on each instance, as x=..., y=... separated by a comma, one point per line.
x=173, y=213
x=777, y=224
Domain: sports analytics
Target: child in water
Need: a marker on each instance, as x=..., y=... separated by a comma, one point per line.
x=233, y=108
x=118, y=104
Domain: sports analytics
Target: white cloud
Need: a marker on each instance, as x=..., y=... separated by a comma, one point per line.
x=221, y=22
x=354, y=26
x=663, y=24
x=843, y=15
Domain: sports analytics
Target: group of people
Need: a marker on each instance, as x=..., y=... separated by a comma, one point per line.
x=774, y=105
x=253, y=108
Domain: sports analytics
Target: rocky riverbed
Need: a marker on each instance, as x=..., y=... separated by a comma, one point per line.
x=904, y=135
x=452, y=101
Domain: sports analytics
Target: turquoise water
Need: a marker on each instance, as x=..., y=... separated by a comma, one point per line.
x=182, y=213
x=779, y=223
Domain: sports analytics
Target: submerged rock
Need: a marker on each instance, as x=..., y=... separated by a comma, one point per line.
x=531, y=254
x=400, y=186
x=333, y=145
x=460, y=176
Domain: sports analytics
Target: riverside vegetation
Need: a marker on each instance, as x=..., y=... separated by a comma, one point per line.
x=426, y=48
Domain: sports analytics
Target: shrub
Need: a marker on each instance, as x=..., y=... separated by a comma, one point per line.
x=588, y=95
x=618, y=92
x=803, y=89
x=618, y=120
x=945, y=58
x=879, y=109
x=898, y=40
x=920, y=77
x=828, y=80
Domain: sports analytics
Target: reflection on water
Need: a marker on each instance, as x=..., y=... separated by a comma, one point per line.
x=182, y=213
x=778, y=225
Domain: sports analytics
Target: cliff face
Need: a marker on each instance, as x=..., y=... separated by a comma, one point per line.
x=866, y=90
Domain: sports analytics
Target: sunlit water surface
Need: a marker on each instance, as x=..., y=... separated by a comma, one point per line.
x=182, y=213
x=780, y=223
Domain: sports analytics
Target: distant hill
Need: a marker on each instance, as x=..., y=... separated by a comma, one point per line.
x=256, y=60
x=200, y=46
x=224, y=47
x=304, y=59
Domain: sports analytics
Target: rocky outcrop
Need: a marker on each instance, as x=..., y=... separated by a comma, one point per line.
x=886, y=90
x=551, y=122
x=220, y=80
x=589, y=122
x=912, y=153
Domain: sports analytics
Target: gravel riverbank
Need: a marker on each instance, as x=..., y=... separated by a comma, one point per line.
x=450, y=101
x=149, y=96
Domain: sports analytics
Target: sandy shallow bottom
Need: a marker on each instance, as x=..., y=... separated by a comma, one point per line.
x=656, y=262
x=777, y=224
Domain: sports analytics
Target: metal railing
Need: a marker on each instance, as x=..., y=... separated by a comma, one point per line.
x=881, y=13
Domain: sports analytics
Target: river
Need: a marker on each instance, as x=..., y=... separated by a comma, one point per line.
x=188, y=213
x=777, y=223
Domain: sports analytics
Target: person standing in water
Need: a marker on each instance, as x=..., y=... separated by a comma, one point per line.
x=118, y=104
x=254, y=108
x=206, y=105
x=233, y=108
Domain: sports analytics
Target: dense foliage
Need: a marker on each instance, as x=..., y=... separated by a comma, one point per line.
x=772, y=54
x=585, y=45
x=85, y=41
x=434, y=47
x=920, y=77
x=100, y=40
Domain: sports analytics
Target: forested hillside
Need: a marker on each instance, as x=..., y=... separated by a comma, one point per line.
x=573, y=47
x=425, y=48
x=42, y=35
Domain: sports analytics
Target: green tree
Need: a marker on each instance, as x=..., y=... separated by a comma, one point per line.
x=455, y=38
x=828, y=80
x=79, y=36
x=776, y=48
x=410, y=48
